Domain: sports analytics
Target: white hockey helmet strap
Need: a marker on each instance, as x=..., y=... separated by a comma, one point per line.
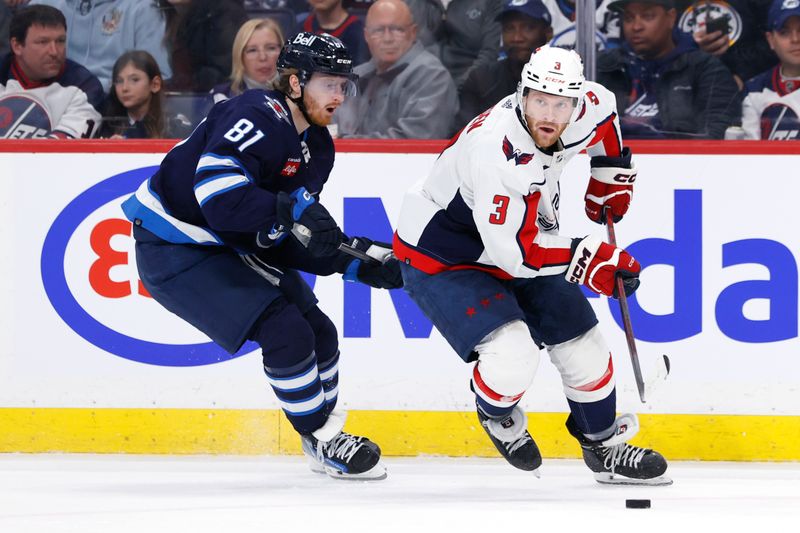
x=553, y=70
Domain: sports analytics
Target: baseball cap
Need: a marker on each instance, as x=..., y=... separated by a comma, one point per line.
x=619, y=5
x=533, y=8
x=780, y=11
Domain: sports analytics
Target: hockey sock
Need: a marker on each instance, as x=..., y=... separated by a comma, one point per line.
x=594, y=418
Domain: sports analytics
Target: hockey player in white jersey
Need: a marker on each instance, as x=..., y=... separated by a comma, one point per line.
x=481, y=255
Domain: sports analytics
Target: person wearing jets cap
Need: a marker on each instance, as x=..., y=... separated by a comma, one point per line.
x=482, y=256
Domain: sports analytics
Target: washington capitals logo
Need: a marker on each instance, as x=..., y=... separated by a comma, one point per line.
x=520, y=158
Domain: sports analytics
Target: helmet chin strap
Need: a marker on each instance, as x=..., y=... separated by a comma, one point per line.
x=301, y=105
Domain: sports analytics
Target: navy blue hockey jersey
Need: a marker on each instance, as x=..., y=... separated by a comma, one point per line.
x=219, y=186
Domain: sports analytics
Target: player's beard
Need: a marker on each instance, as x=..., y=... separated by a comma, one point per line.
x=545, y=134
x=318, y=113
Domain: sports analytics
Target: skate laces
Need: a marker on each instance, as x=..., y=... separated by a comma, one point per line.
x=623, y=454
x=517, y=444
x=343, y=446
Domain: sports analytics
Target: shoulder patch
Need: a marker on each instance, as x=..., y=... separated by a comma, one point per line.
x=281, y=113
x=519, y=157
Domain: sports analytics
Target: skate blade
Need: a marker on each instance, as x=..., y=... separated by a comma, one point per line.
x=607, y=478
x=316, y=467
x=536, y=473
x=376, y=473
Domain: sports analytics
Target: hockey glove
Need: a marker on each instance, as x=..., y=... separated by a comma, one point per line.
x=597, y=264
x=611, y=186
x=382, y=272
x=309, y=221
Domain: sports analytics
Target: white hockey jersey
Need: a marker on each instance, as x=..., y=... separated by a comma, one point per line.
x=65, y=107
x=771, y=107
x=607, y=34
x=491, y=200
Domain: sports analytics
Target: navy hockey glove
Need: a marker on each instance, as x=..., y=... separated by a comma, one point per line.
x=309, y=221
x=610, y=187
x=382, y=271
x=597, y=264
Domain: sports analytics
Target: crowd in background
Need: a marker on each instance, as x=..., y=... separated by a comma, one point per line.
x=708, y=69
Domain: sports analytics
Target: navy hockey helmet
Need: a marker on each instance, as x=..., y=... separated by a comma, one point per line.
x=309, y=53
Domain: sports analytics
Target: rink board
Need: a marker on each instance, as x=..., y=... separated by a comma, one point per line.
x=90, y=363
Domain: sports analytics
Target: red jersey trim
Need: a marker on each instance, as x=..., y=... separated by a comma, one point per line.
x=308, y=26
x=607, y=133
x=409, y=255
x=534, y=256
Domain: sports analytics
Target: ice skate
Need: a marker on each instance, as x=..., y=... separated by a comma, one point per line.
x=616, y=462
x=510, y=436
x=341, y=455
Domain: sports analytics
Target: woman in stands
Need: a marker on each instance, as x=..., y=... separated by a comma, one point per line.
x=134, y=109
x=255, y=56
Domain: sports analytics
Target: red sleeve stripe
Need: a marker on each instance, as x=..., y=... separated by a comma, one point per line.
x=534, y=256
x=607, y=133
x=599, y=383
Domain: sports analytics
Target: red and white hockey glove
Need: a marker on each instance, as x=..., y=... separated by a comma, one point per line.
x=596, y=264
x=611, y=186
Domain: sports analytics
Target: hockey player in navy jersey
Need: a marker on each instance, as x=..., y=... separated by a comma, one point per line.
x=481, y=233
x=234, y=212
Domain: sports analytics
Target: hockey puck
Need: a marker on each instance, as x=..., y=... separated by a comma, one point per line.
x=637, y=504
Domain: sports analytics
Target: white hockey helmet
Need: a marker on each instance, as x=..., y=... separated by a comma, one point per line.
x=553, y=70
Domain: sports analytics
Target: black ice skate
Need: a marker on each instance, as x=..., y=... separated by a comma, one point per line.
x=341, y=455
x=510, y=436
x=616, y=462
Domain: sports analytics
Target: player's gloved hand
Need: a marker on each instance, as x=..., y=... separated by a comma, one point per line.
x=611, y=186
x=597, y=264
x=309, y=222
x=383, y=272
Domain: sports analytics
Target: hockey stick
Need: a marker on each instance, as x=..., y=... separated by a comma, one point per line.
x=663, y=364
x=303, y=234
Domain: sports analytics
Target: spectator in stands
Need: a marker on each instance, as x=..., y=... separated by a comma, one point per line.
x=469, y=36
x=42, y=93
x=428, y=16
x=102, y=30
x=563, y=12
x=255, y=57
x=772, y=100
x=526, y=27
x=135, y=102
x=737, y=35
x=5, y=21
x=404, y=91
x=665, y=87
x=330, y=16
x=204, y=32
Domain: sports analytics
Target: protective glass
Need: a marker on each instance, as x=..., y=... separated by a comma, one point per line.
x=331, y=85
x=543, y=107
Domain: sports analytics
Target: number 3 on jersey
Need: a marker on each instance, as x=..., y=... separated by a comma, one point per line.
x=499, y=215
x=239, y=130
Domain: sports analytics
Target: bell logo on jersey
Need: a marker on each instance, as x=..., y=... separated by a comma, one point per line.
x=519, y=157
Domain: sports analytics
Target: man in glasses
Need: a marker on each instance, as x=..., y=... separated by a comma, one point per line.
x=234, y=212
x=481, y=255
x=404, y=91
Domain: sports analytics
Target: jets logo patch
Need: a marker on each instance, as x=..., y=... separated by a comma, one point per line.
x=519, y=157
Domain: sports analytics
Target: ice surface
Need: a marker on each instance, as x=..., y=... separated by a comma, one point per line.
x=120, y=494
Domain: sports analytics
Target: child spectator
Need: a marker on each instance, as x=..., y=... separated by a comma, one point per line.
x=135, y=102
x=772, y=101
x=255, y=54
